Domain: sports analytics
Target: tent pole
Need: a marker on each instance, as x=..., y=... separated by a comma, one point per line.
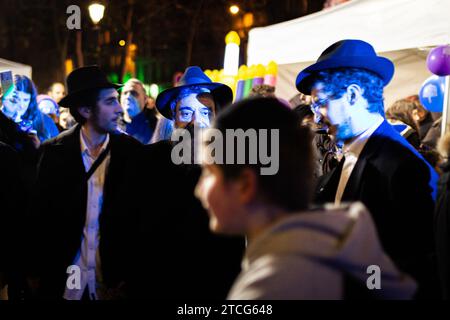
x=446, y=107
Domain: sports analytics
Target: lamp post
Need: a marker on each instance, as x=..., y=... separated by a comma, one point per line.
x=96, y=12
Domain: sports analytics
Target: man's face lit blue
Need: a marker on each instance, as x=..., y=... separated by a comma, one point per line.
x=133, y=99
x=335, y=113
x=194, y=110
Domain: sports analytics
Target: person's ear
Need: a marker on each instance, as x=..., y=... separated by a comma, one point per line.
x=247, y=186
x=354, y=93
x=146, y=102
x=85, y=112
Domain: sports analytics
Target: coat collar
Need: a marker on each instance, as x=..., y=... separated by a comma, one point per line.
x=370, y=150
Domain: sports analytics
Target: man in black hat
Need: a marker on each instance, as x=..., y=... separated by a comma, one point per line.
x=379, y=167
x=81, y=246
x=182, y=258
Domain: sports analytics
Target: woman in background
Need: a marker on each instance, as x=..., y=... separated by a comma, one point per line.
x=399, y=115
x=21, y=106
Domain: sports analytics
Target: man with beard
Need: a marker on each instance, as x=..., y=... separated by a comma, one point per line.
x=179, y=256
x=379, y=168
x=80, y=246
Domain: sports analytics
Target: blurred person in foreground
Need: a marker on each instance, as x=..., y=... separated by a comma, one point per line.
x=293, y=252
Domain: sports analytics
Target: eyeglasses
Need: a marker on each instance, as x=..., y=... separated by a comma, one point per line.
x=316, y=104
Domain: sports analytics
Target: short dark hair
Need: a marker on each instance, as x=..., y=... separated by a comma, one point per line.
x=337, y=80
x=291, y=187
x=402, y=110
x=303, y=111
x=87, y=99
x=262, y=90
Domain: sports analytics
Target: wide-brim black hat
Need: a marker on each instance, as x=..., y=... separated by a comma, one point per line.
x=346, y=54
x=83, y=80
x=194, y=77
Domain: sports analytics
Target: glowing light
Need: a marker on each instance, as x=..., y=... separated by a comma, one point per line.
x=248, y=20
x=232, y=37
x=234, y=9
x=122, y=43
x=96, y=12
x=154, y=90
x=231, y=62
x=69, y=66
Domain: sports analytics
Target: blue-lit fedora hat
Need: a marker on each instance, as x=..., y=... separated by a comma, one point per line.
x=194, y=77
x=346, y=54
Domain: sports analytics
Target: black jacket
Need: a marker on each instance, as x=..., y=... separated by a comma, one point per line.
x=12, y=208
x=442, y=226
x=11, y=135
x=180, y=257
x=58, y=218
x=398, y=187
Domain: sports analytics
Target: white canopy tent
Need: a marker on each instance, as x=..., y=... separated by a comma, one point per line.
x=16, y=68
x=401, y=30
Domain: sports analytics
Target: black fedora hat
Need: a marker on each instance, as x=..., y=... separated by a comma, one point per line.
x=194, y=76
x=83, y=80
x=346, y=54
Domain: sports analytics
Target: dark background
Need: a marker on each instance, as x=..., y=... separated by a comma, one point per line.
x=168, y=35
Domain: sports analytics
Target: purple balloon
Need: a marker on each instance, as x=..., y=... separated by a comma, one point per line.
x=438, y=60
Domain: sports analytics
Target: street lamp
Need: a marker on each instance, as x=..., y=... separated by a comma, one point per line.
x=96, y=12
x=234, y=10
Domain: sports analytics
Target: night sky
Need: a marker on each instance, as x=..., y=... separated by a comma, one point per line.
x=169, y=35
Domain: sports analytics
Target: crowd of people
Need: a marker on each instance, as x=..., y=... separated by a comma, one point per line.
x=94, y=207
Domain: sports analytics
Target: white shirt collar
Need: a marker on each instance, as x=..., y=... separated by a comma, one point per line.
x=84, y=147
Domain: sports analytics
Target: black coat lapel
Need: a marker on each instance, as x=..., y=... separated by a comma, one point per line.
x=354, y=182
x=73, y=152
x=328, y=184
x=353, y=186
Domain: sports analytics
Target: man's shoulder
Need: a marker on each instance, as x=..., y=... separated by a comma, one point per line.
x=5, y=148
x=391, y=145
x=390, y=152
x=159, y=155
x=160, y=148
x=126, y=139
x=7, y=153
x=63, y=139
